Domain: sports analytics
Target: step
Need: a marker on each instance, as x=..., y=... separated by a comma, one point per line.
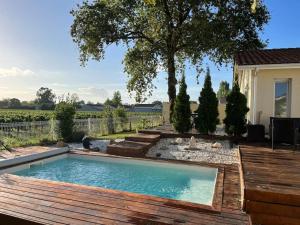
x=152, y=138
x=149, y=131
x=129, y=148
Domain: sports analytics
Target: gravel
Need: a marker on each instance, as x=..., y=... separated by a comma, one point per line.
x=203, y=151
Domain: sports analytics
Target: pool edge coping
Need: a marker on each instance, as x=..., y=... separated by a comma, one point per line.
x=218, y=189
x=8, y=163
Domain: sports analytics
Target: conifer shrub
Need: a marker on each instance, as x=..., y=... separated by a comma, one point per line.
x=236, y=110
x=181, y=117
x=207, y=118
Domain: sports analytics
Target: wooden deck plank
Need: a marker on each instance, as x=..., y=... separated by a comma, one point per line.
x=140, y=137
x=50, y=202
x=271, y=184
x=159, y=210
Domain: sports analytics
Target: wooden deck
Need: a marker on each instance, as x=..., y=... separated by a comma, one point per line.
x=32, y=201
x=24, y=151
x=271, y=185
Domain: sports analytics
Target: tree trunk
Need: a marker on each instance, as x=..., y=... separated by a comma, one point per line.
x=171, y=83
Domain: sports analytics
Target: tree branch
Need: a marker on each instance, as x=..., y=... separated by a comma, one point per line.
x=168, y=13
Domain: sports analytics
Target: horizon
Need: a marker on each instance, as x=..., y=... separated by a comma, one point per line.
x=37, y=51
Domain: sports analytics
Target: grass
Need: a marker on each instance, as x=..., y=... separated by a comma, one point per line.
x=20, y=142
x=13, y=142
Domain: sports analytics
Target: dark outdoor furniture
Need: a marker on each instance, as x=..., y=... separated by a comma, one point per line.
x=284, y=130
x=255, y=133
x=194, y=116
x=86, y=143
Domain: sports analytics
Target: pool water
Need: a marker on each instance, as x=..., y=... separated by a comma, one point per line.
x=189, y=183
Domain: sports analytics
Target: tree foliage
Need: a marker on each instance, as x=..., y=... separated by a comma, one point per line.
x=181, y=117
x=116, y=101
x=236, y=110
x=157, y=102
x=224, y=89
x=14, y=103
x=45, y=98
x=71, y=99
x=164, y=34
x=207, y=111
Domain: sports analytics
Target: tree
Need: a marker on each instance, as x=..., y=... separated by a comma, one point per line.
x=182, y=112
x=223, y=89
x=107, y=102
x=71, y=99
x=45, y=98
x=236, y=110
x=14, y=103
x=207, y=111
x=157, y=103
x=166, y=34
x=4, y=103
x=117, y=99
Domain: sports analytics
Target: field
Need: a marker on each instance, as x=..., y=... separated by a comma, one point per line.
x=34, y=127
x=10, y=116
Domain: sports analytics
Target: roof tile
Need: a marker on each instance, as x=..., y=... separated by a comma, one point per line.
x=268, y=56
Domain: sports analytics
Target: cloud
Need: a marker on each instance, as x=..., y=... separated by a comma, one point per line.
x=59, y=85
x=15, y=72
x=93, y=91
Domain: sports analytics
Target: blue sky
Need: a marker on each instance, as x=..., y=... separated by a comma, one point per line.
x=36, y=50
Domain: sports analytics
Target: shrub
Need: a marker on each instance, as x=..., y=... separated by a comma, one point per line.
x=207, y=111
x=236, y=110
x=143, y=124
x=65, y=112
x=108, y=114
x=120, y=112
x=181, y=117
x=121, y=115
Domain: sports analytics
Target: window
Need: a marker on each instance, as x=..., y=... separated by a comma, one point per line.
x=282, y=98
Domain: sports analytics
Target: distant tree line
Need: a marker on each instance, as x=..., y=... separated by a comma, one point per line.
x=47, y=100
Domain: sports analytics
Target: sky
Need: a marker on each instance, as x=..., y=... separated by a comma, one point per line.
x=36, y=50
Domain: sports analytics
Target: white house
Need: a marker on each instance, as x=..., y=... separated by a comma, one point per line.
x=270, y=79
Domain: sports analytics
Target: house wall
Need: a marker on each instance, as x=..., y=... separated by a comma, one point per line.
x=265, y=92
x=260, y=99
x=246, y=83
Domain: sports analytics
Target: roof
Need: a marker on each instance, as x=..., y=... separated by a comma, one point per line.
x=268, y=56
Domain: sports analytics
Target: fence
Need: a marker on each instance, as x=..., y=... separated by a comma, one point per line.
x=92, y=126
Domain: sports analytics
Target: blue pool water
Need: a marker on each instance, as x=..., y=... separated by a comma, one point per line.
x=194, y=184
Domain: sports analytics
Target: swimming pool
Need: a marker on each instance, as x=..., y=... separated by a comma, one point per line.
x=168, y=180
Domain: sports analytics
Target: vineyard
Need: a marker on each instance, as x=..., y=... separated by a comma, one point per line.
x=12, y=116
